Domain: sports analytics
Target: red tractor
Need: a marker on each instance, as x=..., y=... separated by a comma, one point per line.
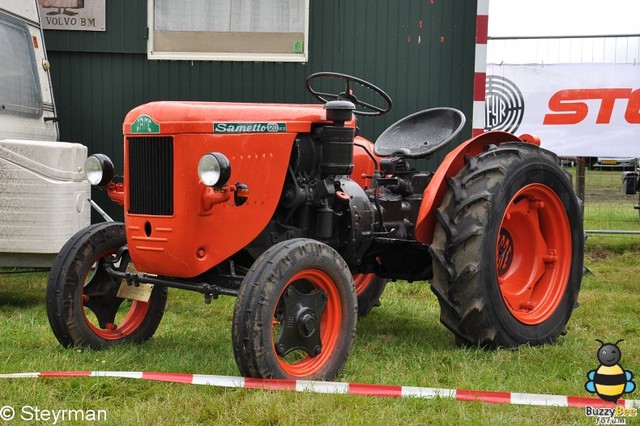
x=287, y=208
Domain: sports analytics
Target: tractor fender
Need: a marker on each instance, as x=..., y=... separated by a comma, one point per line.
x=450, y=166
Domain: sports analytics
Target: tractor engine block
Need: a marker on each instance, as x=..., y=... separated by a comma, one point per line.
x=397, y=194
x=319, y=200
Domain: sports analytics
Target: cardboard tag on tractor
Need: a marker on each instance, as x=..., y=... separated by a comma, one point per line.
x=141, y=292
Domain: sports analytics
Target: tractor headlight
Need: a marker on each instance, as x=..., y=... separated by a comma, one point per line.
x=214, y=169
x=98, y=169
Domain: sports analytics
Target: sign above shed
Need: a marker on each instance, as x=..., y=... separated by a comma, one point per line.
x=75, y=15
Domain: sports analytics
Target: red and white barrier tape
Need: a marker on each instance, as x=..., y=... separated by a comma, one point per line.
x=343, y=388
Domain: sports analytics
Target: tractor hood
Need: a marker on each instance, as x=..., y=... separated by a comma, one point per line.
x=175, y=117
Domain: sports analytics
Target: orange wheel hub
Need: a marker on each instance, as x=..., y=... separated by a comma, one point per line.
x=533, y=254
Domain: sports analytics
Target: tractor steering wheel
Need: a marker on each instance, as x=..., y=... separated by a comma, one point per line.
x=348, y=94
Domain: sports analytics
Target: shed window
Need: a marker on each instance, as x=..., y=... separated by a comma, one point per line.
x=19, y=83
x=235, y=30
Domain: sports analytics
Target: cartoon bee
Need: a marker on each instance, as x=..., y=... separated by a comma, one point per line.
x=609, y=380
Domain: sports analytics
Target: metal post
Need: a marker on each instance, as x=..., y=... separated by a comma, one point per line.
x=580, y=178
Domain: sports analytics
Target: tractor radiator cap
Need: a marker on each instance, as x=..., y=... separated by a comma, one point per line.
x=339, y=111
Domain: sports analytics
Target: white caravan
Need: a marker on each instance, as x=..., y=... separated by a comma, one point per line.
x=43, y=192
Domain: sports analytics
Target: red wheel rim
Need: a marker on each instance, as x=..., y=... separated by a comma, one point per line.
x=330, y=324
x=362, y=281
x=132, y=320
x=533, y=254
x=127, y=319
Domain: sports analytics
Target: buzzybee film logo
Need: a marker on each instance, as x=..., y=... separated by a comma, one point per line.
x=610, y=381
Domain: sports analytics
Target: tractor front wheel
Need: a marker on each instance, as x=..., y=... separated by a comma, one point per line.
x=508, y=249
x=295, y=317
x=84, y=303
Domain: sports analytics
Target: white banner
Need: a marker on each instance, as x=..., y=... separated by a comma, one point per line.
x=589, y=110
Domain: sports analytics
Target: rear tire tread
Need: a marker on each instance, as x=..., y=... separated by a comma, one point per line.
x=460, y=228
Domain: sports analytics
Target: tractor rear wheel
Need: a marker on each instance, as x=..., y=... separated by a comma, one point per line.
x=508, y=249
x=83, y=304
x=369, y=288
x=295, y=317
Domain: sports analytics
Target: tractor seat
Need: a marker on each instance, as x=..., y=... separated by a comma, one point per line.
x=420, y=134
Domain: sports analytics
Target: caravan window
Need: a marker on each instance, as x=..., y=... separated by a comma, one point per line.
x=19, y=84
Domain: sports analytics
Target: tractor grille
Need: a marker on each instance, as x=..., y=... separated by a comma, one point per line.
x=151, y=176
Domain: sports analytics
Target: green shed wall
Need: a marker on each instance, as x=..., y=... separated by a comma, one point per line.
x=421, y=52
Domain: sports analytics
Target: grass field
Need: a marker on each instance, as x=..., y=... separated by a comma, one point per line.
x=399, y=343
